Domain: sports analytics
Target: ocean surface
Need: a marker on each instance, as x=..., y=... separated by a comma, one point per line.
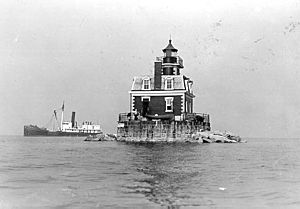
x=49, y=172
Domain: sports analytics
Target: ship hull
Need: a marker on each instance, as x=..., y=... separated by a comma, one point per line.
x=32, y=130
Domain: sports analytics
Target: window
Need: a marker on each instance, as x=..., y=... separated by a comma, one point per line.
x=169, y=84
x=169, y=104
x=190, y=85
x=146, y=84
x=174, y=70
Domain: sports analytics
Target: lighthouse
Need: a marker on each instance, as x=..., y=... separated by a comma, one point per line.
x=162, y=104
x=165, y=95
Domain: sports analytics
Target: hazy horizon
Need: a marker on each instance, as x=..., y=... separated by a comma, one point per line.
x=243, y=57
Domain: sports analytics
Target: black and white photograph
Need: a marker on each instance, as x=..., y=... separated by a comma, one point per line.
x=134, y=104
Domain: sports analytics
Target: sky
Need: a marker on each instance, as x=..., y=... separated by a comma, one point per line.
x=243, y=56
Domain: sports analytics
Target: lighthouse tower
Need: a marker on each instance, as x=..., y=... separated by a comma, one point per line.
x=171, y=62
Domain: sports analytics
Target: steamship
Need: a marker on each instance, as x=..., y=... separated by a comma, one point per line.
x=65, y=128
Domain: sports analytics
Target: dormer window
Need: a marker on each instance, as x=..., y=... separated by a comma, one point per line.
x=169, y=84
x=146, y=84
x=190, y=86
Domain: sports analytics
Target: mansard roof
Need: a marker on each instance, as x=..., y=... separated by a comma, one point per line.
x=179, y=82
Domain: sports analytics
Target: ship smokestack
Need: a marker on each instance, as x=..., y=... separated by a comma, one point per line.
x=73, y=119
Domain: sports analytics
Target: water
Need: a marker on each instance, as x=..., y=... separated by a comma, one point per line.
x=69, y=173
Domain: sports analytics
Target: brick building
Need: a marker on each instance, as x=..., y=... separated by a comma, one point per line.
x=167, y=94
x=161, y=105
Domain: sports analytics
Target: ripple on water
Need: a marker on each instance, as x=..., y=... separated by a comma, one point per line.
x=67, y=173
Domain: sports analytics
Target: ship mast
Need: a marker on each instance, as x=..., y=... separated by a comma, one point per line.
x=62, y=115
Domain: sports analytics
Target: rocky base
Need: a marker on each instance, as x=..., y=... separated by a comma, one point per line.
x=217, y=137
x=199, y=137
x=102, y=137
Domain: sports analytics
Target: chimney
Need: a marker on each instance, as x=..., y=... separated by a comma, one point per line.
x=73, y=119
x=157, y=75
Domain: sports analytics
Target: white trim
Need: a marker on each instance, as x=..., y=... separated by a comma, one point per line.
x=142, y=98
x=186, y=85
x=132, y=102
x=143, y=83
x=183, y=102
x=187, y=106
x=160, y=93
x=171, y=99
x=175, y=70
x=169, y=64
x=166, y=83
